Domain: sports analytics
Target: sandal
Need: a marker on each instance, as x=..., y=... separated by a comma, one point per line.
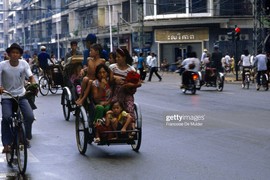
x=96, y=140
x=6, y=149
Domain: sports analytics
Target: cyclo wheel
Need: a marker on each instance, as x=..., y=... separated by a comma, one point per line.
x=138, y=126
x=53, y=89
x=65, y=105
x=44, y=86
x=81, y=129
x=21, y=148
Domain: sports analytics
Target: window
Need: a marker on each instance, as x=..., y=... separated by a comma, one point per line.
x=198, y=6
x=239, y=7
x=171, y=6
x=126, y=11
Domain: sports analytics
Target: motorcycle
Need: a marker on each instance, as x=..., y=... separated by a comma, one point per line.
x=211, y=78
x=192, y=82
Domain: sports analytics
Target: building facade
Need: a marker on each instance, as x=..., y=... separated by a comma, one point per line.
x=170, y=28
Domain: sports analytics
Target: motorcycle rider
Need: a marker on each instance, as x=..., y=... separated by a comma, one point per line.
x=261, y=63
x=191, y=64
x=246, y=64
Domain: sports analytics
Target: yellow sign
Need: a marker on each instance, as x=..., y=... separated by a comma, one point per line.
x=182, y=35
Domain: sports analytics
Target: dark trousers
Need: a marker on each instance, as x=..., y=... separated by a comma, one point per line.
x=142, y=73
x=259, y=73
x=186, y=76
x=154, y=70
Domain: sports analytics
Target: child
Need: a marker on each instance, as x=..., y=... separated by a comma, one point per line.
x=118, y=118
x=93, y=61
x=124, y=90
x=101, y=91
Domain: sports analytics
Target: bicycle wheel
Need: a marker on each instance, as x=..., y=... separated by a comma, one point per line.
x=81, y=130
x=220, y=83
x=43, y=85
x=21, y=149
x=53, y=89
x=138, y=126
x=65, y=105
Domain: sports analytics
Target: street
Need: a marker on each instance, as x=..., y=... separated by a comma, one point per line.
x=230, y=140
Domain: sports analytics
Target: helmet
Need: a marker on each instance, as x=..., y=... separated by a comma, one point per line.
x=42, y=47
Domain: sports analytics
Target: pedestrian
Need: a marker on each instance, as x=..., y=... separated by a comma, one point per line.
x=261, y=63
x=141, y=67
x=74, y=51
x=154, y=67
x=13, y=73
x=135, y=60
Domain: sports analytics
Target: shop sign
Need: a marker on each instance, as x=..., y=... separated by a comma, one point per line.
x=182, y=35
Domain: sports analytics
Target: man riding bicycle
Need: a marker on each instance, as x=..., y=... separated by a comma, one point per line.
x=12, y=77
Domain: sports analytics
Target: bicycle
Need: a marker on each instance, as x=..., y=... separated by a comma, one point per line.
x=19, y=142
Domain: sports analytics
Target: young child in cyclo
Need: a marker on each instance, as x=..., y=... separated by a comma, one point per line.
x=126, y=81
x=119, y=120
x=12, y=78
x=102, y=94
x=93, y=61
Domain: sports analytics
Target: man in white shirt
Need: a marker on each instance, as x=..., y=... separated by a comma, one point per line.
x=12, y=77
x=154, y=67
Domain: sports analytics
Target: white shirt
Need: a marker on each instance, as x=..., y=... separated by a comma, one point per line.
x=148, y=59
x=121, y=73
x=188, y=61
x=245, y=60
x=12, y=78
x=227, y=59
x=153, y=62
x=135, y=61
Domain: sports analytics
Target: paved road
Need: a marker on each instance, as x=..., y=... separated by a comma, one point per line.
x=231, y=140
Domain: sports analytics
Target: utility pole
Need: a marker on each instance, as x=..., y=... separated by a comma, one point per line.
x=258, y=27
x=141, y=22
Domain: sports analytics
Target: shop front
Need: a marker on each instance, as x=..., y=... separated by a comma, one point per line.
x=174, y=44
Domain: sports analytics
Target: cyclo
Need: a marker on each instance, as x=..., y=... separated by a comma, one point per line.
x=86, y=128
x=52, y=80
x=69, y=93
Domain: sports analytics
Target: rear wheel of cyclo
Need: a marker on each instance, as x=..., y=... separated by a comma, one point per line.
x=53, y=89
x=81, y=130
x=44, y=85
x=65, y=105
x=138, y=126
x=21, y=149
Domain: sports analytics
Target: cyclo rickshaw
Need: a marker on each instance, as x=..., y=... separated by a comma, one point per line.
x=51, y=80
x=85, y=128
x=69, y=93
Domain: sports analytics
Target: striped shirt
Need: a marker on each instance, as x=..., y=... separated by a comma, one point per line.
x=121, y=73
